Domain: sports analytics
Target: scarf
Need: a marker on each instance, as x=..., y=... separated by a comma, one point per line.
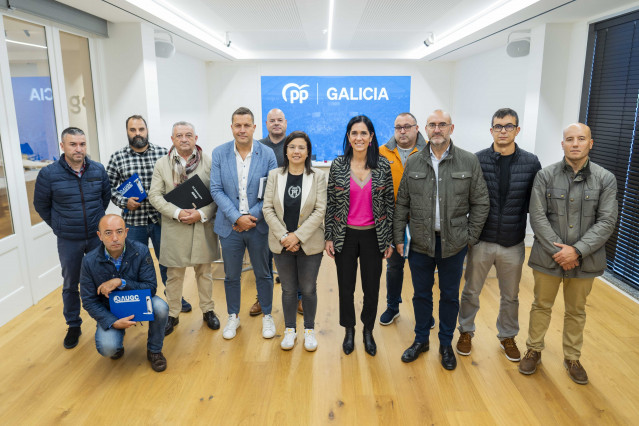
x=180, y=172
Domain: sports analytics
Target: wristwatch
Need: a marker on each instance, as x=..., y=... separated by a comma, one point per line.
x=284, y=236
x=578, y=252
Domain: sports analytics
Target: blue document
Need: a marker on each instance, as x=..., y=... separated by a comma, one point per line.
x=132, y=187
x=132, y=302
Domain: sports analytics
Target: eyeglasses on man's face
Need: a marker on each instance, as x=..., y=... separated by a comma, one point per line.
x=405, y=128
x=509, y=127
x=442, y=126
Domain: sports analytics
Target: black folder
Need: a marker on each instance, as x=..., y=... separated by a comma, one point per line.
x=192, y=194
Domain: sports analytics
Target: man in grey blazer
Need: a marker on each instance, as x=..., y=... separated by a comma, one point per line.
x=239, y=170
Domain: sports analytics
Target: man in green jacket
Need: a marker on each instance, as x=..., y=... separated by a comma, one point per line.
x=573, y=211
x=444, y=193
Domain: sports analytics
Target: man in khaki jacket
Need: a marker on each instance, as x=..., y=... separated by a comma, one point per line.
x=573, y=212
x=187, y=234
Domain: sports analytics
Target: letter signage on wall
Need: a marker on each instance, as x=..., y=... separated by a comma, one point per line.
x=322, y=106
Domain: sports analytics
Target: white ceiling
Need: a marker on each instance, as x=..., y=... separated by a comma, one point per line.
x=361, y=29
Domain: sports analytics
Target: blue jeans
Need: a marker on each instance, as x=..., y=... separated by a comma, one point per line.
x=142, y=233
x=450, y=271
x=108, y=342
x=394, y=280
x=71, y=253
x=233, y=248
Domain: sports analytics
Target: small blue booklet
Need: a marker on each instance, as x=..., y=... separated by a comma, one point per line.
x=406, y=241
x=132, y=187
x=132, y=302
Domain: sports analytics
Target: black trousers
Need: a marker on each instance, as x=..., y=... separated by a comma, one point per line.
x=363, y=245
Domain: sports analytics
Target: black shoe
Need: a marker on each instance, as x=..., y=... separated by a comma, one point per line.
x=118, y=354
x=349, y=340
x=212, y=320
x=157, y=360
x=449, y=362
x=72, y=337
x=186, y=306
x=412, y=353
x=170, y=325
x=369, y=343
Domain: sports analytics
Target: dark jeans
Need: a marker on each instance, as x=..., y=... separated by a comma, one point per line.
x=298, y=273
x=363, y=245
x=450, y=271
x=233, y=248
x=270, y=265
x=394, y=280
x=142, y=234
x=71, y=253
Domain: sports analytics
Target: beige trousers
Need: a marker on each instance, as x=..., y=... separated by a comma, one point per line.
x=175, y=284
x=576, y=291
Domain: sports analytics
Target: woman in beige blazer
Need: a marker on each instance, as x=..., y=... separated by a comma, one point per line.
x=294, y=208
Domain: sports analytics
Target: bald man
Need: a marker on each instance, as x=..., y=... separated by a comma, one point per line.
x=444, y=194
x=276, y=127
x=119, y=264
x=573, y=211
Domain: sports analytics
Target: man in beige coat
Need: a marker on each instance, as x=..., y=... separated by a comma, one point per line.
x=187, y=234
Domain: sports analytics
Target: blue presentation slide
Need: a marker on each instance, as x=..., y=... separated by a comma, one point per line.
x=36, y=118
x=322, y=106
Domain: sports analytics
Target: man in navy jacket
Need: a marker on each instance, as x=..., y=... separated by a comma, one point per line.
x=71, y=195
x=120, y=264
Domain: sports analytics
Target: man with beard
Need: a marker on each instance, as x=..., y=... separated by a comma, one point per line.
x=142, y=219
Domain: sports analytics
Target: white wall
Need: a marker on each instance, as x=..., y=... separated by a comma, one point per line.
x=127, y=81
x=481, y=85
x=183, y=93
x=232, y=85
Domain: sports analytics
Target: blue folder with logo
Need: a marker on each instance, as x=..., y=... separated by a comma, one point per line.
x=132, y=187
x=132, y=302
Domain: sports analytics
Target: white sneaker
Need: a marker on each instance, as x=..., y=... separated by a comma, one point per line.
x=268, y=327
x=232, y=324
x=310, y=342
x=289, y=339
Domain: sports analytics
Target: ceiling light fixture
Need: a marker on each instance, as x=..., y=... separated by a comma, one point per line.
x=429, y=40
x=25, y=44
x=168, y=13
x=486, y=17
x=331, y=8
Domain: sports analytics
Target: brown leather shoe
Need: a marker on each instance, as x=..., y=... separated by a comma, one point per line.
x=256, y=309
x=157, y=360
x=529, y=362
x=576, y=371
x=510, y=349
x=300, y=309
x=464, y=345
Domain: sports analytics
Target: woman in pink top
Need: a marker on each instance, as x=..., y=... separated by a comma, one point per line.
x=359, y=219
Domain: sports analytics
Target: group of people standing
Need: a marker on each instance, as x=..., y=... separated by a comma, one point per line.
x=428, y=201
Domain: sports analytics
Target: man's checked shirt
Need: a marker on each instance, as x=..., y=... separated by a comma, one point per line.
x=122, y=165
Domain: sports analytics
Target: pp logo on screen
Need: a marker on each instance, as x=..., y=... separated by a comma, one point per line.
x=296, y=93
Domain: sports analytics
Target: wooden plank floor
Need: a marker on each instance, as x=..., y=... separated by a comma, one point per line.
x=249, y=380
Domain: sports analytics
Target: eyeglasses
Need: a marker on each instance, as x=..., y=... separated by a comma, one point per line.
x=442, y=126
x=509, y=127
x=405, y=128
